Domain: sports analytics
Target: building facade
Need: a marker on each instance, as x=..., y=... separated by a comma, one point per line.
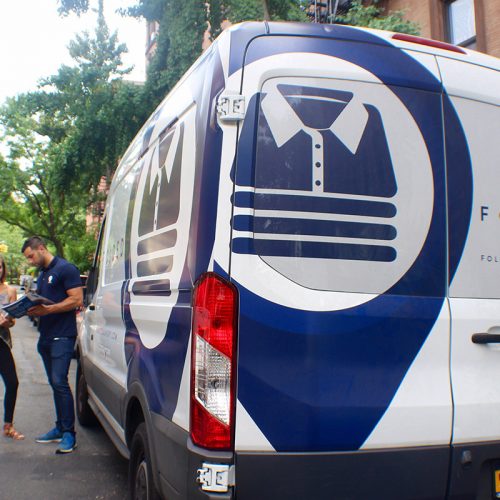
x=474, y=24
x=152, y=30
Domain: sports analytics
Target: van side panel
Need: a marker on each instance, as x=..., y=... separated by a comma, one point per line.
x=107, y=372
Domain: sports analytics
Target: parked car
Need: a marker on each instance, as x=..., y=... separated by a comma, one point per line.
x=25, y=282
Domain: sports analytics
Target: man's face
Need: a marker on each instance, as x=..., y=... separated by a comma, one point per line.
x=35, y=257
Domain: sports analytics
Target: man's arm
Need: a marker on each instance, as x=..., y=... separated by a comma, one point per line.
x=73, y=301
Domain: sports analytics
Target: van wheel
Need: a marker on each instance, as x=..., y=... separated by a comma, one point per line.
x=84, y=412
x=140, y=473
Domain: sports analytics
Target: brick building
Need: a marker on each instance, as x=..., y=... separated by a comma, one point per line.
x=471, y=23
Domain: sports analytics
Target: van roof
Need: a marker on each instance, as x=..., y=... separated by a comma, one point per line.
x=251, y=30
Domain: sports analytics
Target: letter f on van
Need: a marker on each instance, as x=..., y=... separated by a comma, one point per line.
x=484, y=212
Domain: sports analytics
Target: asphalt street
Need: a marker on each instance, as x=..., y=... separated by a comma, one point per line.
x=28, y=470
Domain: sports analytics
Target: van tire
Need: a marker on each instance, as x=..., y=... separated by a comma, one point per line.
x=84, y=413
x=140, y=473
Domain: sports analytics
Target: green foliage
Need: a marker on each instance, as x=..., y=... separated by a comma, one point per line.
x=63, y=138
x=256, y=10
x=76, y=6
x=287, y=10
x=152, y=10
x=216, y=15
x=370, y=17
x=97, y=112
x=182, y=25
x=243, y=10
x=14, y=239
x=30, y=196
x=81, y=252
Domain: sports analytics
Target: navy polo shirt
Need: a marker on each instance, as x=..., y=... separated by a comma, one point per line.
x=52, y=283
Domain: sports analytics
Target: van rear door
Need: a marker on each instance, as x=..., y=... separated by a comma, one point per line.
x=475, y=286
x=339, y=254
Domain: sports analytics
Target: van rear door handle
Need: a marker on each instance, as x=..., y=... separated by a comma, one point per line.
x=92, y=307
x=486, y=338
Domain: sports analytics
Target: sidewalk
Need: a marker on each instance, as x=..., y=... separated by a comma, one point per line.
x=30, y=470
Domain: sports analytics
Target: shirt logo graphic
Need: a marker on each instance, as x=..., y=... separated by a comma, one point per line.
x=158, y=243
x=159, y=211
x=332, y=183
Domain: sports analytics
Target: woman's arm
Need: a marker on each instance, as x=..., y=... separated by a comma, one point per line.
x=12, y=294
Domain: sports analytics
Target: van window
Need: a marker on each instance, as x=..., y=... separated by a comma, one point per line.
x=160, y=204
x=114, y=258
x=93, y=278
x=344, y=186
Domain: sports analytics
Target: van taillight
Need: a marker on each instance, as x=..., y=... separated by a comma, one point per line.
x=213, y=360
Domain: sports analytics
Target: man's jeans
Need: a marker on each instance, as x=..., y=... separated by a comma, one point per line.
x=56, y=355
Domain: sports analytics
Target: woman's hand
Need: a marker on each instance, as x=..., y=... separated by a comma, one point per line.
x=6, y=321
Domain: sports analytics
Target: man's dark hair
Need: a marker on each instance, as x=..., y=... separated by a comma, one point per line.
x=33, y=242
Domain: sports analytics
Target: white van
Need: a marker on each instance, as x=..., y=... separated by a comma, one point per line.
x=296, y=290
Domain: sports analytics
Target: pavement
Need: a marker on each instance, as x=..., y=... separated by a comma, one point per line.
x=29, y=470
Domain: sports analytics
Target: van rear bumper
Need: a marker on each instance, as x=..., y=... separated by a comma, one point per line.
x=178, y=460
x=417, y=473
x=460, y=472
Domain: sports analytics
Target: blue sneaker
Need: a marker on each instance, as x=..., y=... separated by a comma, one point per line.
x=53, y=436
x=68, y=443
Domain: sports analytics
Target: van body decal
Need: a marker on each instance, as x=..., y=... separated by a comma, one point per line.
x=334, y=373
x=321, y=379
x=332, y=202
x=173, y=207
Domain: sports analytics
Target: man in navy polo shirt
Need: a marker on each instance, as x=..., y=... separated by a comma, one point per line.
x=60, y=282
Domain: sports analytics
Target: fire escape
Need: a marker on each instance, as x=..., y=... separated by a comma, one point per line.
x=325, y=12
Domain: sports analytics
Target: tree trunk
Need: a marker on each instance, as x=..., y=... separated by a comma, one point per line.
x=265, y=6
x=59, y=247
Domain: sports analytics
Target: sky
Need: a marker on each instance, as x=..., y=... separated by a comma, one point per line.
x=34, y=40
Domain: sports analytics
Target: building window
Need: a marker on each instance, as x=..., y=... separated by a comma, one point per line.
x=461, y=22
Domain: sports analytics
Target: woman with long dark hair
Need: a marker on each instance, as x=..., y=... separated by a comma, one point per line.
x=7, y=365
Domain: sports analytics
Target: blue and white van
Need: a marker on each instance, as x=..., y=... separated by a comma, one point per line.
x=296, y=290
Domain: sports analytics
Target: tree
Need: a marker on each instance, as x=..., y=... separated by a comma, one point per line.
x=76, y=6
x=31, y=199
x=30, y=195
x=63, y=138
x=12, y=238
x=269, y=10
x=370, y=16
x=100, y=112
x=182, y=25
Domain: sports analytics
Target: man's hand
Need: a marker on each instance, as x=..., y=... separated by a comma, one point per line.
x=39, y=310
x=72, y=302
